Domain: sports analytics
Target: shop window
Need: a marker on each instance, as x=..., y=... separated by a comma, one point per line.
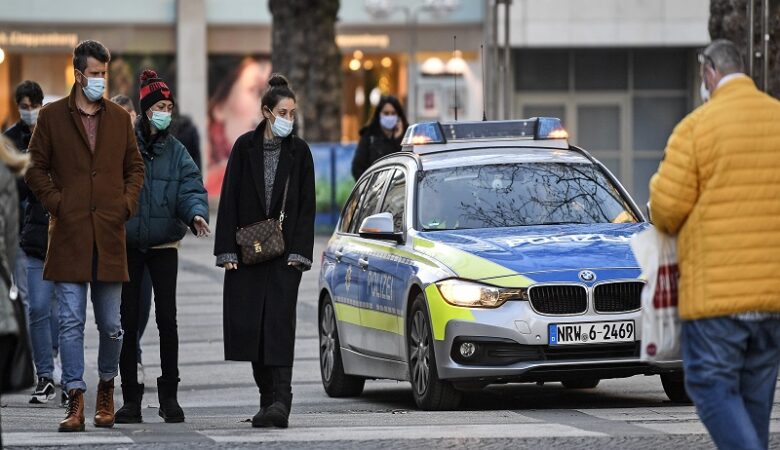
x=541, y=70
x=660, y=69
x=644, y=169
x=598, y=127
x=601, y=70
x=654, y=120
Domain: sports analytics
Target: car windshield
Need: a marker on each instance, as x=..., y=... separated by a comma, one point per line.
x=510, y=195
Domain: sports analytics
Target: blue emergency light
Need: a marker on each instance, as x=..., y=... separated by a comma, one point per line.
x=440, y=133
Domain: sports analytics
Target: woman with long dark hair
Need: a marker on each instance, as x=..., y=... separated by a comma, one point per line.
x=381, y=136
x=172, y=200
x=269, y=176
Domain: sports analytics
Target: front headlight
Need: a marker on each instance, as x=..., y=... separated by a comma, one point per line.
x=477, y=295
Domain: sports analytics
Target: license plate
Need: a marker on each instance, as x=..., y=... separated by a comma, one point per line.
x=591, y=332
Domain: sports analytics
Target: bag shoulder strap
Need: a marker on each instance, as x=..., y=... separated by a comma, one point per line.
x=284, y=200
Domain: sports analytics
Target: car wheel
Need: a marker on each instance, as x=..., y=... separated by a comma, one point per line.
x=674, y=386
x=334, y=380
x=581, y=383
x=430, y=393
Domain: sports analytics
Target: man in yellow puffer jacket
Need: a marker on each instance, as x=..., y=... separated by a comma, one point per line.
x=718, y=190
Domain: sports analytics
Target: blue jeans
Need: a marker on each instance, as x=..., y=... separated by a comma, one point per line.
x=43, y=318
x=106, y=302
x=731, y=370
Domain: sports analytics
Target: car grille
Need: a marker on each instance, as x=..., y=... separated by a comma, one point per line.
x=618, y=297
x=559, y=299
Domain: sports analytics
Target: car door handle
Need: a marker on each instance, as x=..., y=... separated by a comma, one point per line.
x=363, y=263
x=339, y=254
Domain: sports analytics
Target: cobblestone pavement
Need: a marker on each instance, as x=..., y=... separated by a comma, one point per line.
x=220, y=397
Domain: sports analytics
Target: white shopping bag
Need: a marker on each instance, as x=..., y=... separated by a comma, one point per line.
x=656, y=253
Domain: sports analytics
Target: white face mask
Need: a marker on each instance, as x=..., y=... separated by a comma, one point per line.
x=29, y=116
x=704, y=92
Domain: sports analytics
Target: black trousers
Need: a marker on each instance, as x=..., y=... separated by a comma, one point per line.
x=163, y=265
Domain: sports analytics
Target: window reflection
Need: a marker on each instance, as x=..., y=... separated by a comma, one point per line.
x=508, y=195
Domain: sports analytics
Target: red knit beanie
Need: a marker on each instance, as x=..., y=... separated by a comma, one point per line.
x=153, y=89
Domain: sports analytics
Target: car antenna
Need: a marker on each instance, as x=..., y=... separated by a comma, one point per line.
x=484, y=88
x=455, y=74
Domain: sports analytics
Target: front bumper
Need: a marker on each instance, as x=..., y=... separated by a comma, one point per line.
x=512, y=346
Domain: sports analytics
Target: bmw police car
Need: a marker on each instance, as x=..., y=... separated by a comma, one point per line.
x=486, y=252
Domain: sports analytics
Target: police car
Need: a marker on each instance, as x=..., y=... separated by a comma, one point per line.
x=486, y=252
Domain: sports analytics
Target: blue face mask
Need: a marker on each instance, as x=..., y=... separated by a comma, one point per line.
x=160, y=120
x=388, y=122
x=281, y=126
x=94, y=88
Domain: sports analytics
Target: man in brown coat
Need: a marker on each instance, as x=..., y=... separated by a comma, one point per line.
x=87, y=172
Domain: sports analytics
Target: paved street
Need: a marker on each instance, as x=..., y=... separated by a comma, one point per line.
x=219, y=398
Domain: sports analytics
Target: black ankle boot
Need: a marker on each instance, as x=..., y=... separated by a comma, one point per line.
x=264, y=381
x=130, y=412
x=278, y=413
x=170, y=410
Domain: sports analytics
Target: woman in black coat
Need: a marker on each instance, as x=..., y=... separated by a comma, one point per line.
x=260, y=299
x=381, y=136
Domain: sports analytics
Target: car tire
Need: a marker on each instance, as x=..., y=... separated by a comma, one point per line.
x=334, y=380
x=581, y=383
x=429, y=392
x=674, y=386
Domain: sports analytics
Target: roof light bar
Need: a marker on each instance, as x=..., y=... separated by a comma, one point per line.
x=438, y=133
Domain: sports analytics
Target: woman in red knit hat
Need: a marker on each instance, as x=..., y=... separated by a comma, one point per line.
x=172, y=200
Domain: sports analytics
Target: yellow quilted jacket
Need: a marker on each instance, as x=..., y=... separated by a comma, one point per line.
x=718, y=190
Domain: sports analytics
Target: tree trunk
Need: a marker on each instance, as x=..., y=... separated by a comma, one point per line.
x=729, y=20
x=304, y=50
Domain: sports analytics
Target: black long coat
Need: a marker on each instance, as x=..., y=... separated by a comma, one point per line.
x=260, y=300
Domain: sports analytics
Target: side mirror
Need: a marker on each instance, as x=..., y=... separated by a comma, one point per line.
x=380, y=226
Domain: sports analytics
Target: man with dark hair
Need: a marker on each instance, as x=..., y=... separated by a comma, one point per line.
x=87, y=172
x=29, y=98
x=717, y=189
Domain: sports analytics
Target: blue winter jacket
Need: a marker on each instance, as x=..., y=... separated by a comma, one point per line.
x=172, y=195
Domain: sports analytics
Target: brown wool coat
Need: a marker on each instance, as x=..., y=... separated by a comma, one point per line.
x=89, y=196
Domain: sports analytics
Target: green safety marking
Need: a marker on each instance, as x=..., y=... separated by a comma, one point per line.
x=369, y=318
x=442, y=312
x=467, y=265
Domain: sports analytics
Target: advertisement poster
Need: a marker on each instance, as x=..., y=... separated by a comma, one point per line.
x=235, y=86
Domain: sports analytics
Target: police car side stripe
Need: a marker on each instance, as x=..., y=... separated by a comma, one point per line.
x=369, y=318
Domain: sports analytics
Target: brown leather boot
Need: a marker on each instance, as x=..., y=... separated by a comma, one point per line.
x=104, y=406
x=74, y=420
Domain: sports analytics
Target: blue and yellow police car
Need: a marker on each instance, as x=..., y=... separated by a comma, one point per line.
x=485, y=252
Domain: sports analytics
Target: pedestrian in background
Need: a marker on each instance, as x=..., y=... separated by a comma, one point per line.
x=29, y=98
x=42, y=310
x=270, y=174
x=12, y=165
x=172, y=199
x=184, y=129
x=381, y=136
x=717, y=189
x=125, y=102
x=145, y=300
x=87, y=172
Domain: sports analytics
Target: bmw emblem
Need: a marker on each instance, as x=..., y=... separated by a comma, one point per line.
x=587, y=276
